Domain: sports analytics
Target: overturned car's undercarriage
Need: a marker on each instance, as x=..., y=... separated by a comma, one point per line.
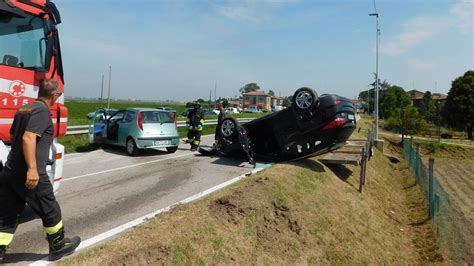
x=311, y=126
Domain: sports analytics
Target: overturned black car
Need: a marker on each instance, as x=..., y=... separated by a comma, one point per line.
x=311, y=126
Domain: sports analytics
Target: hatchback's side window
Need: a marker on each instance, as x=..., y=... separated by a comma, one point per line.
x=128, y=117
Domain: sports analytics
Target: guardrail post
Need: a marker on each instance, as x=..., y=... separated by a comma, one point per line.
x=431, y=198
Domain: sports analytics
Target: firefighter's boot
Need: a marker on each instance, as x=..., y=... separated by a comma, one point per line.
x=60, y=246
x=3, y=249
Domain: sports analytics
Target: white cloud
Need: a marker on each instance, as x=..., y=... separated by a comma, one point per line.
x=420, y=65
x=420, y=29
x=249, y=10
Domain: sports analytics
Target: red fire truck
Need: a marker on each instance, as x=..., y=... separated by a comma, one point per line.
x=29, y=52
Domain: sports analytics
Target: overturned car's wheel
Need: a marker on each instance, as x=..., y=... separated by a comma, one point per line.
x=304, y=100
x=228, y=128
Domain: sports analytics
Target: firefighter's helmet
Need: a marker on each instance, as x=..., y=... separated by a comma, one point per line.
x=196, y=105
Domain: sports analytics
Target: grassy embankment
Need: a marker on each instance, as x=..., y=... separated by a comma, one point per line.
x=78, y=111
x=292, y=213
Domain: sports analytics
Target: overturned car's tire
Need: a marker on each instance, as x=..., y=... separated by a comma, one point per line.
x=304, y=100
x=228, y=128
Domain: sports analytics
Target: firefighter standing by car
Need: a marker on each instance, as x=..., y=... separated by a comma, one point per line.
x=194, y=123
x=221, y=117
x=23, y=179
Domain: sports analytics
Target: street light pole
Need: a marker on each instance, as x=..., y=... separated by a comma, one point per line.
x=108, y=96
x=377, y=39
x=102, y=92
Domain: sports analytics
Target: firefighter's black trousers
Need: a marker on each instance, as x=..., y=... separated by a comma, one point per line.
x=14, y=195
x=194, y=137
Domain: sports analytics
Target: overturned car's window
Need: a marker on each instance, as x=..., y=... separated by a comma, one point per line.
x=150, y=117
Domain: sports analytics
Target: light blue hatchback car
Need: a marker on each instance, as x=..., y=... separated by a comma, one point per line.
x=136, y=129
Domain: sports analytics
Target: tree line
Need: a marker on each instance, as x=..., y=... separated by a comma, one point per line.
x=395, y=107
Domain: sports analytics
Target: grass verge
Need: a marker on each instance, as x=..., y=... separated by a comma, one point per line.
x=293, y=213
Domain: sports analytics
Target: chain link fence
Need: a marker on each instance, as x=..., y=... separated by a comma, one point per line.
x=452, y=228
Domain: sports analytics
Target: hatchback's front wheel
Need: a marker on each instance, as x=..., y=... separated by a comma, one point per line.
x=132, y=148
x=171, y=149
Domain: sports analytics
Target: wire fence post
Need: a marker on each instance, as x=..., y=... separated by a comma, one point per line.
x=417, y=164
x=362, y=166
x=431, y=198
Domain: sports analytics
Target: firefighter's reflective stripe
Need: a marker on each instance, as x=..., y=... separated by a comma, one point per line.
x=196, y=142
x=53, y=229
x=198, y=129
x=201, y=121
x=5, y=239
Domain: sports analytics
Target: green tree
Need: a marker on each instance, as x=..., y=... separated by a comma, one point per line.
x=427, y=107
x=249, y=87
x=287, y=101
x=272, y=93
x=392, y=100
x=458, y=110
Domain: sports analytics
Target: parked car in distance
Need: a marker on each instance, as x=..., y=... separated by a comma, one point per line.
x=205, y=110
x=165, y=108
x=277, y=108
x=252, y=109
x=135, y=129
x=231, y=110
x=109, y=112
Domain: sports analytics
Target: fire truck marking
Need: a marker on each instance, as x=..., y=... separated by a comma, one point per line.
x=17, y=88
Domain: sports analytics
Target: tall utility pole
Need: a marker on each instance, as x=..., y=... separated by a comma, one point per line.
x=377, y=40
x=108, y=96
x=102, y=91
x=368, y=99
x=215, y=91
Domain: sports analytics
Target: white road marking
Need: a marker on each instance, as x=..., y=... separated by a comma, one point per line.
x=119, y=229
x=126, y=167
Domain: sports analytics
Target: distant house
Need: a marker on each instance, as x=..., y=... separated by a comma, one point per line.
x=261, y=99
x=237, y=103
x=417, y=97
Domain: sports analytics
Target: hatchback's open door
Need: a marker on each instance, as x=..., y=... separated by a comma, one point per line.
x=97, y=128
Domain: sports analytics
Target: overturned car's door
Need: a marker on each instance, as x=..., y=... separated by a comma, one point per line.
x=97, y=128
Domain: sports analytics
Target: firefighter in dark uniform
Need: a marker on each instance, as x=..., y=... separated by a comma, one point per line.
x=221, y=117
x=194, y=125
x=23, y=179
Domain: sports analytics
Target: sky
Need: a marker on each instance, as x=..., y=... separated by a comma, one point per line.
x=183, y=50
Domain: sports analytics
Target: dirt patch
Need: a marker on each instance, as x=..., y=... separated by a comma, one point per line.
x=156, y=254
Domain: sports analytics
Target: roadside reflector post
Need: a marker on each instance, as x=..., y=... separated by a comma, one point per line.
x=431, y=198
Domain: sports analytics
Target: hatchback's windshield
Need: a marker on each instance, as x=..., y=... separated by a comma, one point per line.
x=22, y=41
x=150, y=117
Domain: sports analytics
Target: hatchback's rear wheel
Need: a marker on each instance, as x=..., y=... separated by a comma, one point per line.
x=304, y=100
x=132, y=148
x=171, y=149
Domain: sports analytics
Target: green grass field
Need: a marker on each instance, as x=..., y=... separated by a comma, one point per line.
x=78, y=110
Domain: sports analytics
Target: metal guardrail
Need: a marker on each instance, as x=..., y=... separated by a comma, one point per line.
x=84, y=129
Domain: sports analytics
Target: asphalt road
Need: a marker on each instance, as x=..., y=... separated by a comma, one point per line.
x=106, y=188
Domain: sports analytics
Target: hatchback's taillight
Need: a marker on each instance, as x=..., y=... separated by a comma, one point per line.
x=337, y=102
x=173, y=117
x=335, y=123
x=140, y=120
